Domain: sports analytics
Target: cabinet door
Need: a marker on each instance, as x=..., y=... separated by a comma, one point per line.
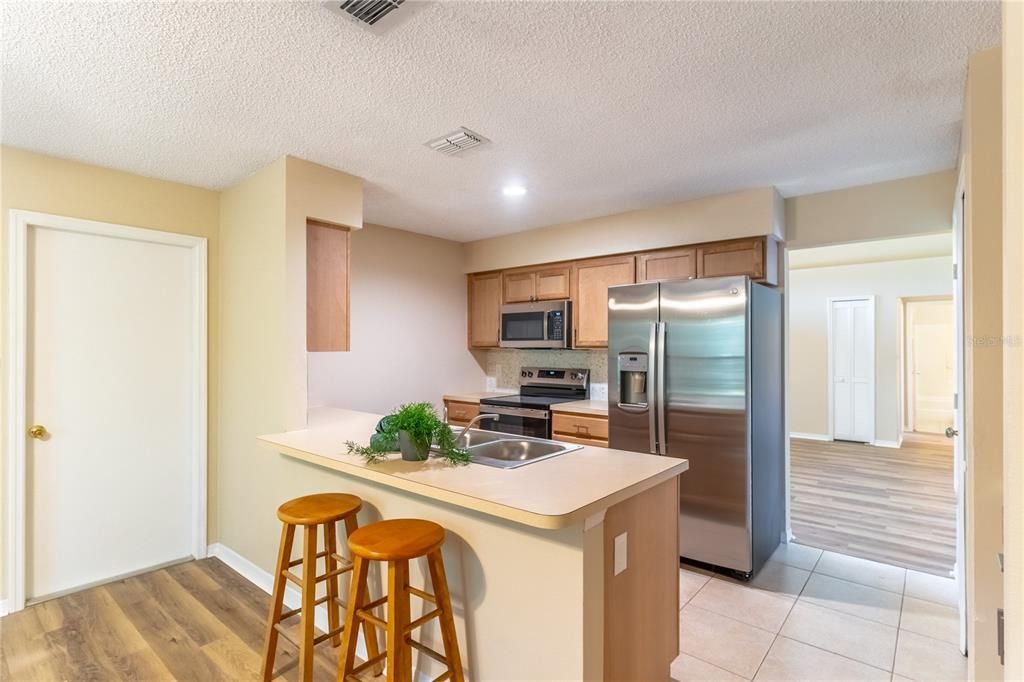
x=590, y=282
x=520, y=286
x=484, y=310
x=736, y=257
x=552, y=283
x=669, y=264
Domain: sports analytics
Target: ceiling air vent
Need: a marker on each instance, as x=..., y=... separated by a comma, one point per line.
x=369, y=11
x=457, y=142
x=366, y=13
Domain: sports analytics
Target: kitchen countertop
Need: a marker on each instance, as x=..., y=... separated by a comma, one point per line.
x=597, y=408
x=551, y=493
x=476, y=396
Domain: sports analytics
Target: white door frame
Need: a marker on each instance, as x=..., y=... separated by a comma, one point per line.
x=959, y=405
x=874, y=370
x=15, y=318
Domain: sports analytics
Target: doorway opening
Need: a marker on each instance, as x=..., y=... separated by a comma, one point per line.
x=928, y=368
x=870, y=394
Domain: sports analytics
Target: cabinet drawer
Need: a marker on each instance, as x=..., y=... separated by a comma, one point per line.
x=461, y=413
x=580, y=426
x=592, y=442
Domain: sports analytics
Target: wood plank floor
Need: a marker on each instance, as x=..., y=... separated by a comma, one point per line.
x=193, y=621
x=891, y=505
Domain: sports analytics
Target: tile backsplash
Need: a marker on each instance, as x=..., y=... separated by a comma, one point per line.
x=502, y=367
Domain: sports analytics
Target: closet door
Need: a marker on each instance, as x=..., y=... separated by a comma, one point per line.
x=852, y=358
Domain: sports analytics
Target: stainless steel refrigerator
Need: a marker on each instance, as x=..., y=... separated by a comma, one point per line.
x=695, y=371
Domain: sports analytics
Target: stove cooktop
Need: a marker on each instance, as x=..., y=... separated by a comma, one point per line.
x=534, y=401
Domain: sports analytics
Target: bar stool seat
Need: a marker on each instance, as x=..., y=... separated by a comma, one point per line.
x=396, y=539
x=396, y=542
x=318, y=509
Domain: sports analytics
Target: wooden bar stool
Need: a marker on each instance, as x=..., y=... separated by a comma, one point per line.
x=310, y=512
x=396, y=542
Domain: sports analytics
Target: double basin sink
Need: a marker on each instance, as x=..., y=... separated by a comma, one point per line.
x=507, y=451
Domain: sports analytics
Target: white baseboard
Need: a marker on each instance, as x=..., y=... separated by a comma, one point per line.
x=886, y=444
x=265, y=581
x=3, y=607
x=809, y=436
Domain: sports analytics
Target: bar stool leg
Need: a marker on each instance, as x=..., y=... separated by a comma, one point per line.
x=399, y=652
x=439, y=580
x=369, y=631
x=284, y=553
x=333, y=583
x=350, y=636
x=306, y=616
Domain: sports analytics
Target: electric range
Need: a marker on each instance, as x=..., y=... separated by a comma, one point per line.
x=528, y=413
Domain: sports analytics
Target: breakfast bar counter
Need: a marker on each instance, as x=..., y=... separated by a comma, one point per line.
x=565, y=568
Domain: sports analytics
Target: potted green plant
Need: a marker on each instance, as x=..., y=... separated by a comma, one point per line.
x=412, y=429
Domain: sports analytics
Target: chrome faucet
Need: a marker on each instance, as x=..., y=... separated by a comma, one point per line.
x=474, y=420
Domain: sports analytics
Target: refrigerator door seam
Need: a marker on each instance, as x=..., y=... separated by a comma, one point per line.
x=662, y=431
x=654, y=397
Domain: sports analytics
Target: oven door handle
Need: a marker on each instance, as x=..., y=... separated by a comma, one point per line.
x=516, y=411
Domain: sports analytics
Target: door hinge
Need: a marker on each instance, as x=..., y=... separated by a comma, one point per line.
x=1000, y=636
x=955, y=271
x=956, y=401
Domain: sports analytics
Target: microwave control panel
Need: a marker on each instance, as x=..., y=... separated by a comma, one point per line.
x=556, y=325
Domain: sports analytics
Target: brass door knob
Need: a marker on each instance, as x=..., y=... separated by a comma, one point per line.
x=38, y=431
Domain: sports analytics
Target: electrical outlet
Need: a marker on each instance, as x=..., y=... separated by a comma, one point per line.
x=621, y=553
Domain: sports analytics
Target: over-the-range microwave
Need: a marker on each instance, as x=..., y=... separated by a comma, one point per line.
x=545, y=324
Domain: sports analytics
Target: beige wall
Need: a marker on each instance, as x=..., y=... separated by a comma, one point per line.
x=738, y=214
x=898, y=208
x=311, y=191
x=50, y=185
x=408, y=326
x=1013, y=321
x=981, y=164
x=809, y=290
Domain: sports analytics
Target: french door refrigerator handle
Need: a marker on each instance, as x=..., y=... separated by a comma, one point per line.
x=660, y=367
x=652, y=389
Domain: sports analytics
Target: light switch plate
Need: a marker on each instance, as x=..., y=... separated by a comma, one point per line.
x=620, y=553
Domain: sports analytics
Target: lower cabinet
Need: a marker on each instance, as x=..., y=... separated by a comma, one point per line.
x=459, y=413
x=584, y=429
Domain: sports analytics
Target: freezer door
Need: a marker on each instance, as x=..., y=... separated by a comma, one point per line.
x=706, y=352
x=632, y=323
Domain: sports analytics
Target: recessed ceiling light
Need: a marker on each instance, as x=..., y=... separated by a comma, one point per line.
x=513, y=190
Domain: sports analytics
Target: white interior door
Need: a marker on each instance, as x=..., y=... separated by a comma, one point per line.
x=110, y=374
x=852, y=362
x=930, y=327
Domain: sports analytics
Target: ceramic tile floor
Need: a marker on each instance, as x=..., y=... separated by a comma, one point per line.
x=817, y=615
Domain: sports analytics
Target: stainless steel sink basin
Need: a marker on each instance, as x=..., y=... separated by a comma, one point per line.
x=475, y=437
x=508, y=452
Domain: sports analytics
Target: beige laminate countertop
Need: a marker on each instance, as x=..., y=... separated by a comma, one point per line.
x=597, y=408
x=552, y=493
x=476, y=396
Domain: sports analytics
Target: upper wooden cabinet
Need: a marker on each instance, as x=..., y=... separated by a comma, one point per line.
x=327, y=287
x=590, y=282
x=548, y=283
x=656, y=266
x=757, y=257
x=484, y=310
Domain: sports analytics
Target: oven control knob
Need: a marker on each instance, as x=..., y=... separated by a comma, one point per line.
x=522, y=373
x=530, y=374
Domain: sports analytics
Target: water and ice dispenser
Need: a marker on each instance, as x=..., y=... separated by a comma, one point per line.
x=633, y=380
